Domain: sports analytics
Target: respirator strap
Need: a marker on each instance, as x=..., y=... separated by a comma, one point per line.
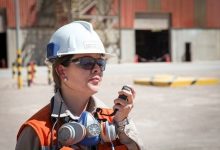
x=54, y=122
x=104, y=114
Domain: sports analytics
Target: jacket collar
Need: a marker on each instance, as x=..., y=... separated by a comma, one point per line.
x=65, y=112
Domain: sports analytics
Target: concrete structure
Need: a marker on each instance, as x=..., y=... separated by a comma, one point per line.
x=185, y=30
x=34, y=43
x=205, y=44
x=154, y=30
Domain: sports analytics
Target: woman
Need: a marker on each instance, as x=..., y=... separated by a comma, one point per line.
x=75, y=118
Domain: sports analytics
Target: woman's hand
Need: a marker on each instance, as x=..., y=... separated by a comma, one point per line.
x=124, y=106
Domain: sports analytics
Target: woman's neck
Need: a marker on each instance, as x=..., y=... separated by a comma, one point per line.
x=75, y=101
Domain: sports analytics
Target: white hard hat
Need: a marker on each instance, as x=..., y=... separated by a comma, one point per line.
x=77, y=37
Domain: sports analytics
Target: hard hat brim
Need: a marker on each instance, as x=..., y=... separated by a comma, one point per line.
x=53, y=59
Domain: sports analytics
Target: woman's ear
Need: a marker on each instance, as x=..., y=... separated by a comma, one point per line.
x=60, y=69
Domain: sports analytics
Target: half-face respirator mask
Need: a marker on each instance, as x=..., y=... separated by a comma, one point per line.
x=87, y=131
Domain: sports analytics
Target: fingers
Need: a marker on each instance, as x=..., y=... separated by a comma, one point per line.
x=122, y=111
x=119, y=101
x=121, y=108
x=129, y=94
x=124, y=106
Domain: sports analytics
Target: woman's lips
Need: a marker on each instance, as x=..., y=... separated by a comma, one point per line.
x=95, y=80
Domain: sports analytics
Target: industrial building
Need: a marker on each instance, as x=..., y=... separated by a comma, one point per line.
x=134, y=30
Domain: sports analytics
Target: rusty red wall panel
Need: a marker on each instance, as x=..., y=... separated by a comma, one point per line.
x=128, y=10
x=170, y=6
x=115, y=7
x=213, y=11
x=10, y=14
x=28, y=12
x=33, y=15
x=200, y=13
x=2, y=3
x=140, y=5
x=127, y=13
x=187, y=14
x=23, y=14
x=182, y=12
x=153, y=5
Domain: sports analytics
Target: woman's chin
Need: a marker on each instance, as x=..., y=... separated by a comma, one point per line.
x=94, y=88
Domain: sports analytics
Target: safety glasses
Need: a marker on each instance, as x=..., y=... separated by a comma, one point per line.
x=88, y=63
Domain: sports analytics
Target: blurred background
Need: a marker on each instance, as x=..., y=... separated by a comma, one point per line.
x=178, y=39
x=134, y=30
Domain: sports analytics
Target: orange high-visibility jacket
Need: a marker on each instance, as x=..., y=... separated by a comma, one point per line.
x=42, y=125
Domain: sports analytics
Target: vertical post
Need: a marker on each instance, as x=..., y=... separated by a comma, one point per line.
x=34, y=71
x=19, y=57
x=19, y=69
x=13, y=70
x=119, y=30
x=188, y=52
x=29, y=74
x=49, y=74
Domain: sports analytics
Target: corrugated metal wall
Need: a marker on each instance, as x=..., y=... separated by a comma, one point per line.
x=154, y=6
x=128, y=9
x=28, y=12
x=200, y=13
x=184, y=13
x=127, y=13
x=213, y=11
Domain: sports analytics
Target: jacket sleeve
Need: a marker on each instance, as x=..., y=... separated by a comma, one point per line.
x=28, y=140
x=130, y=137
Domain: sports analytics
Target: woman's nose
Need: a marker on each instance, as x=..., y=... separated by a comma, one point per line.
x=96, y=69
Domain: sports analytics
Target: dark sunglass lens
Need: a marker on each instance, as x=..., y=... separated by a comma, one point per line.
x=102, y=64
x=87, y=63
